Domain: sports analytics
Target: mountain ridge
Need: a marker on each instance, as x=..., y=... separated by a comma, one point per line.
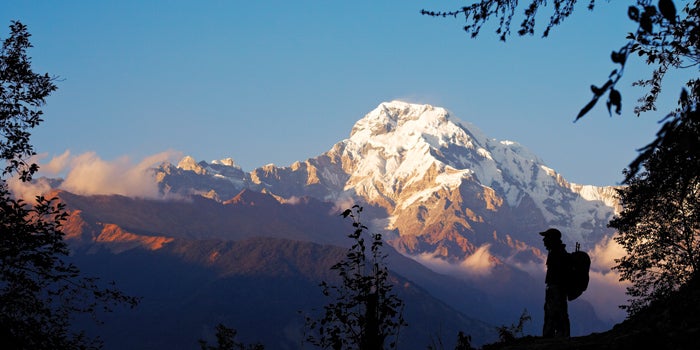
x=403, y=157
x=454, y=202
x=182, y=275
x=442, y=192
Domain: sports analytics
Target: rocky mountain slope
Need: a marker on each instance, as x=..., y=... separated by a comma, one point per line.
x=446, y=189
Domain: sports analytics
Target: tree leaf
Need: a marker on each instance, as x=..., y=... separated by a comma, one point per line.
x=645, y=22
x=615, y=99
x=633, y=13
x=619, y=56
x=586, y=108
x=668, y=10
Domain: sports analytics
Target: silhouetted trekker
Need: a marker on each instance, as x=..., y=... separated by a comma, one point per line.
x=556, y=315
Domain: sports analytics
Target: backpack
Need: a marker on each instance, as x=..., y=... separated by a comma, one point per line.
x=580, y=264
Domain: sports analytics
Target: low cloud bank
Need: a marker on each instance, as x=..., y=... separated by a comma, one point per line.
x=479, y=263
x=605, y=291
x=341, y=203
x=88, y=174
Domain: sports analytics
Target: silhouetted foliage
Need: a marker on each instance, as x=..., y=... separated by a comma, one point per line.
x=39, y=290
x=22, y=93
x=364, y=312
x=507, y=334
x=665, y=38
x=660, y=224
x=464, y=342
x=226, y=340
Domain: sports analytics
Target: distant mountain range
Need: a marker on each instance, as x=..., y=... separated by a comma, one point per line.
x=421, y=166
x=460, y=213
x=196, y=265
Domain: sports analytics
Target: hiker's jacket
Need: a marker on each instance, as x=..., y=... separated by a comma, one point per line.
x=557, y=266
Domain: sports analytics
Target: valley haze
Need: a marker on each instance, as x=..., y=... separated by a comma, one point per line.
x=465, y=207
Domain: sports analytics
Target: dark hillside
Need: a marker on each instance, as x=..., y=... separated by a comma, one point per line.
x=673, y=323
x=257, y=286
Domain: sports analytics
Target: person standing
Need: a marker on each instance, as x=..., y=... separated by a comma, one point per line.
x=556, y=315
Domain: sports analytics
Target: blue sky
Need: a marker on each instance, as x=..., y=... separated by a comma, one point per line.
x=279, y=81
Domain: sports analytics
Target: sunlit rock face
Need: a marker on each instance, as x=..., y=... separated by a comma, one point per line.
x=445, y=188
x=440, y=190
x=448, y=189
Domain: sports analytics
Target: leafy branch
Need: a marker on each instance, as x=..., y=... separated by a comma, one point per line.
x=364, y=312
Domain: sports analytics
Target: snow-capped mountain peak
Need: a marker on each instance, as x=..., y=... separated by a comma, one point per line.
x=422, y=135
x=226, y=162
x=399, y=125
x=190, y=164
x=398, y=143
x=406, y=155
x=439, y=179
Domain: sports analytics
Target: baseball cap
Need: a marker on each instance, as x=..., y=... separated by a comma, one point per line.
x=551, y=233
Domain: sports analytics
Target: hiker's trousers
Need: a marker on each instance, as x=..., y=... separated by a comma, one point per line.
x=556, y=314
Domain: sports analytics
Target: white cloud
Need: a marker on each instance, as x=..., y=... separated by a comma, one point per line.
x=605, y=291
x=293, y=200
x=435, y=263
x=536, y=269
x=480, y=263
x=341, y=203
x=28, y=191
x=88, y=174
x=55, y=166
x=604, y=254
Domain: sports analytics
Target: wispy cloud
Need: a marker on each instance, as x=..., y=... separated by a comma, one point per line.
x=28, y=191
x=54, y=166
x=605, y=252
x=480, y=263
x=88, y=174
x=435, y=263
x=341, y=203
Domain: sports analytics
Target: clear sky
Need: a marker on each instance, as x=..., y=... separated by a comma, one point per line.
x=279, y=81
